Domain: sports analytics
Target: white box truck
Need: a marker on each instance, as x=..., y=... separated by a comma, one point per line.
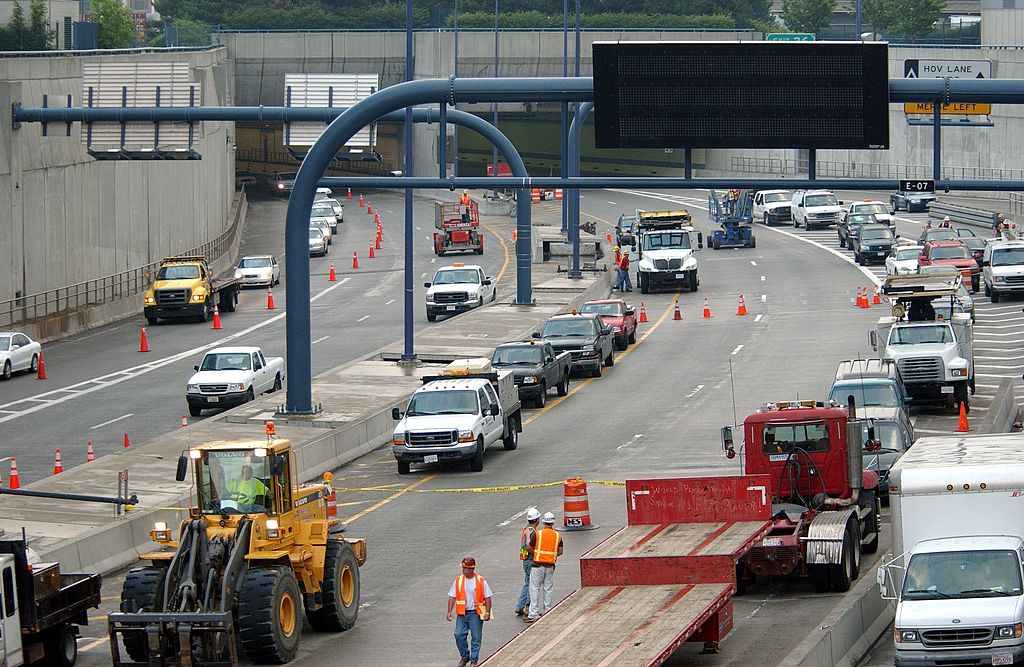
x=956, y=567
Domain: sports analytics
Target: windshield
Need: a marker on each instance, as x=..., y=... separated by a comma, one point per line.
x=777, y=196
x=962, y=574
x=1008, y=257
x=5, y=343
x=322, y=212
x=602, y=308
x=660, y=240
x=886, y=432
x=859, y=219
x=821, y=200
x=315, y=234
x=871, y=208
x=227, y=361
x=178, y=272
x=950, y=252
x=254, y=263
x=941, y=235
x=447, y=402
x=583, y=327
x=524, y=355
x=907, y=253
x=924, y=334
x=456, y=277
x=877, y=234
x=783, y=439
x=865, y=394
x=235, y=482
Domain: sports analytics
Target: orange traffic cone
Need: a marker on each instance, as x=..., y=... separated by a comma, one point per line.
x=361, y=200
x=58, y=467
x=376, y=217
x=376, y=242
x=216, y=318
x=12, y=481
x=184, y=421
x=962, y=425
x=515, y=235
x=371, y=252
x=369, y=208
x=865, y=301
x=676, y=315
x=270, y=299
x=143, y=342
x=707, y=310
x=332, y=277
x=643, y=313
x=41, y=373
x=876, y=300
x=608, y=237
x=576, y=506
x=350, y=194
x=89, y=455
x=742, y=309
x=127, y=442
x=856, y=302
x=355, y=260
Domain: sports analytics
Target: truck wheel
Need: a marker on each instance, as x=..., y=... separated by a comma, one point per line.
x=563, y=386
x=340, y=589
x=269, y=621
x=818, y=574
x=404, y=467
x=250, y=395
x=796, y=223
x=753, y=242
x=142, y=591
x=620, y=342
x=277, y=384
x=961, y=395
x=61, y=646
x=511, y=441
x=645, y=285
x=152, y=321
x=195, y=410
x=873, y=522
x=542, y=397
x=841, y=574
x=692, y=281
x=597, y=371
x=205, y=314
x=431, y=317
x=476, y=464
x=610, y=359
x=7, y=372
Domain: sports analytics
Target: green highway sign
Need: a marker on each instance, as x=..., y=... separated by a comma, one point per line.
x=789, y=37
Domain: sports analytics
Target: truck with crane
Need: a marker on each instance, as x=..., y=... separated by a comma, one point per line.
x=731, y=210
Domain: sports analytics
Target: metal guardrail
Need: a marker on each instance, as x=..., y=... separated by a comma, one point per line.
x=1016, y=204
x=959, y=214
x=109, y=288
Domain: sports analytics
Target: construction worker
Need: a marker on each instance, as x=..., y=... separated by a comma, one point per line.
x=997, y=224
x=247, y=490
x=526, y=556
x=622, y=281
x=464, y=199
x=547, y=547
x=618, y=257
x=470, y=597
x=946, y=223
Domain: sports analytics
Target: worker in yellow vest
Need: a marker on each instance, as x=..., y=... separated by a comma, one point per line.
x=526, y=556
x=247, y=491
x=547, y=547
x=470, y=598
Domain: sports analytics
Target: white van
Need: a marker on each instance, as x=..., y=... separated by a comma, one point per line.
x=815, y=208
x=1002, y=268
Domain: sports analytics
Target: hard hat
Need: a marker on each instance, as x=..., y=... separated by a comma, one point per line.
x=465, y=192
x=549, y=517
x=946, y=219
x=469, y=562
x=615, y=248
x=626, y=251
x=532, y=514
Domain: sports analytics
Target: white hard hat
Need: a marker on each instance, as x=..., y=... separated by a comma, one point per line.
x=946, y=219
x=549, y=517
x=532, y=514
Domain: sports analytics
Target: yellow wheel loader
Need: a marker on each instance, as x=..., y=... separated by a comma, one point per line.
x=256, y=550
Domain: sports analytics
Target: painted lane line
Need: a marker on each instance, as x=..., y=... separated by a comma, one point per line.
x=363, y=318
x=513, y=517
x=753, y=263
x=390, y=302
x=318, y=340
x=419, y=229
x=423, y=275
x=631, y=442
x=764, y=298
x=694, y=392
x=434, y=259
x=738, y=348
x=758, y=317
x=762, y=278
x=93, y=644
x=111, y=421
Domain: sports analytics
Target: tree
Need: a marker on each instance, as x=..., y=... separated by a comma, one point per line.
x=117, y=29
x=16, y=28
x=39, y=36
x=915, y=18
x=879, y=13
x=807, y=15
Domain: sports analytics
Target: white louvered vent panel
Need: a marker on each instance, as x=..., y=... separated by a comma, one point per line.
x=321, y=90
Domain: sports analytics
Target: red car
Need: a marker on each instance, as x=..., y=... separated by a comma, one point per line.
x=952, y=253
x=619, y=316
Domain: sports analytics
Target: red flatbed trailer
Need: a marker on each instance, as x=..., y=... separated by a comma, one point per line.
x=668, y=577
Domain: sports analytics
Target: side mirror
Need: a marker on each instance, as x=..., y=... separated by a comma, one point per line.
x=727, y=443
x=606, y=331
x=396, y=414
x=487, y=281
x=984, y=262
x=277, y=465
x=182, y=471
x=840, y=203
x=426, y=285
x=883, y=584
x=630, y=312
x=196, y=367
x=873, y=337
x=495, y=411
x=535, y=334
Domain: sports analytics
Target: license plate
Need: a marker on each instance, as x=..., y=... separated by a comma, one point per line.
x=947, y=390
x=772, y=542
x=450, y=308
x=575, y=521
x=214, y=399
x=1002, y=659
x=430, y=458
x=680, y=276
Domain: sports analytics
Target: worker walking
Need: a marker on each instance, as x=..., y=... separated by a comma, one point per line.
x=547, y=547
x=526, y=556
x=470, y=598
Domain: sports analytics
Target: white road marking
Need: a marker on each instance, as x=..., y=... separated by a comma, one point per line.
x=390, y=302
x=514, y=517
x=364, y=317
x=93, y=644
x=758, y=318
x=627, y=444
x=433, y=259
x=318, y=340
x=419, y=229
x=111, y=421
x=423, y=275
x=753, y=263
x=738, y=348
x=764, y=298
x=613, y=203
x=694, y=392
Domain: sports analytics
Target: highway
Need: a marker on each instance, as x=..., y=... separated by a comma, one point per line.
x=656, y=413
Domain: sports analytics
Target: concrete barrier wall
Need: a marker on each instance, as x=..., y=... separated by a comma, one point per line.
x=1002, y=413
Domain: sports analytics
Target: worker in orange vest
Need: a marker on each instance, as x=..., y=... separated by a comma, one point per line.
x=526, y=556
x=470, y=598
x=547, y=547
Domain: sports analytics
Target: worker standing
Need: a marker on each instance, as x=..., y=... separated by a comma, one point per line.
x=526, y=556
x=627, y=286
x=997, y=224
x=547, y=547
x=468, y=596
x=618, y=256
x=464, y=204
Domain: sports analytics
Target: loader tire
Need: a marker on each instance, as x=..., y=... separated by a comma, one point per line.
x=340, y=588
x=269, y=615
x=142, y=591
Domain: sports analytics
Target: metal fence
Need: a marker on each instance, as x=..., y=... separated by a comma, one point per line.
x=866, y=170
x=1016, y=205
x=110, y=288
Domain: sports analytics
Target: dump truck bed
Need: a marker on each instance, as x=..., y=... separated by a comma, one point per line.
x=665, y=579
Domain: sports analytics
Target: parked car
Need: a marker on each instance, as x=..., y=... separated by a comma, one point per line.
x=953, y=253
x=536, y=368
x=872, y=383
x=772, y=206
x=259, y=271
x=871, y=243
x=625, y=231
x=324, y=226
x=587, y=337
x=815, y=208
x=894, y=434
x=317, y=242
x=322, y=211
x=231, y=376
x=336, y=206
x=911, y=201
x=876, y=208
x=849, y=224
x=18, y=353
x=618, y=315
x=903, y=260
x=937, y=234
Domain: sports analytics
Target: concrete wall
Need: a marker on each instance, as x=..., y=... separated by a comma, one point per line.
x=66, y=218
x=1002, y=26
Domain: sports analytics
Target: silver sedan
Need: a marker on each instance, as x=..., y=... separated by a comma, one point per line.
x=18, y=352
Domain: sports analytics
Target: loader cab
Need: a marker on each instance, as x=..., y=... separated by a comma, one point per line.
x=251, y=480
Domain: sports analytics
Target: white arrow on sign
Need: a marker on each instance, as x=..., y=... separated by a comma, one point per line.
x=941, y=69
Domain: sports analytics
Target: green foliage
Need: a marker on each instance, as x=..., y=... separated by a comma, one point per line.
x=534, y=19
x=117, y=30
x=767, y=27
x=807, y=15
x=192, y=33
x=16, y=28
x=39, y=35
x=915, y=18
x=879, y=13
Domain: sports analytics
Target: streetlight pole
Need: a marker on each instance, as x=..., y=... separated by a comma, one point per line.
x=565, y=113
x=574, y=216
x=494, y=153
x=409, y=353
x=455, y=72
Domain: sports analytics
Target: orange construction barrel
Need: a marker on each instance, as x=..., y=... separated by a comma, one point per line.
x=576, y=508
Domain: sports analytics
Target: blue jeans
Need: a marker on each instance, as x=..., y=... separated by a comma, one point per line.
x=524, y=596
x=471, y=623
x=622, y=280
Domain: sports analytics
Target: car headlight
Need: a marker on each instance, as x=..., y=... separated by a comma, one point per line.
x=150, y=299
x=273, y=529
x=466, y=436
x=530, y=379
x=236, y=386
x=198, y=297
x=998, y=279
x=1009, y=631
x=280, y=186
x=589, y=353
x=193, y=387
x=398, y=438
x=905, y=636
x=430, y=298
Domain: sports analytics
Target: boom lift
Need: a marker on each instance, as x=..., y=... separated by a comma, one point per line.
x=733, y=211
x=458, y=228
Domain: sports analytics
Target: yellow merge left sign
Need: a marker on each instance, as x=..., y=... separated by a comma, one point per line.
x=955, y=108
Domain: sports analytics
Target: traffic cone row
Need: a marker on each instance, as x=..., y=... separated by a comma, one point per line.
x=677, y=315
x=742, y=309
x=216, y=318
x=270, y=299
x=643, y=313
x=332, y=277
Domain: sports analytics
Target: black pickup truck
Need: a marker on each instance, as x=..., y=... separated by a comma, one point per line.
x=536, y=368
x=585, y=336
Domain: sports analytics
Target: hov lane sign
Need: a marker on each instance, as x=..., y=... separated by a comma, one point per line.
x=953, y=69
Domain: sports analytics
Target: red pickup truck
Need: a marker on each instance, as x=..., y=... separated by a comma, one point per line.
x=952, y=253
x=617, y=314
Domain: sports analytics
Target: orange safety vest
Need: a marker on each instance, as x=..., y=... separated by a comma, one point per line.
x=524, y=544
x=464, y=199
x=460, y=594
x=546, y=550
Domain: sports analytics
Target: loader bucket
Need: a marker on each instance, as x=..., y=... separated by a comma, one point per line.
x=176, y=639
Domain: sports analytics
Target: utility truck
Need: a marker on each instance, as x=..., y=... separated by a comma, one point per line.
x=957, y=551
x=230, y=376
x=666, y=245
x=458, y=228
x=185, y=287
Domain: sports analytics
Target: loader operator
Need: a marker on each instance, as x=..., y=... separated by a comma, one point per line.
x=247, y=491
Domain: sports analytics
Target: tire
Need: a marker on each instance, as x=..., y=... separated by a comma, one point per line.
x=34, y=366
x=431, y=317
x=716, y=243
x=277, y=384
x=205, y=315
x=994, y=296
x=841, y=575
x=873, y=523
x=269, y=615
x=480, y=302
x=796, y=223
x=621, y=342
x=250, y=396
x=142, y=591
x=692, y=281
x=61, y=646
x=596, y=372
x=645, y=285
x=7, y=372
x=195, y=410
x=340, y=590
x=511, y=441
x=563, y=386
x=632, y=336
x=752, y=243
x=820, y=580
x=961, y=395
x=404, y=467
x=476, y=464
x=609, y=361
x=542, y=397
x=152, y=321
x=765, y=220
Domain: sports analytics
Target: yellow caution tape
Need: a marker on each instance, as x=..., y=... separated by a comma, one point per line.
x=477, y=489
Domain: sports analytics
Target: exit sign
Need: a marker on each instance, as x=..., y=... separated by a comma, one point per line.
x=790, y=37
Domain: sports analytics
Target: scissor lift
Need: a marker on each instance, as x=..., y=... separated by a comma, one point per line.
x=733, y=213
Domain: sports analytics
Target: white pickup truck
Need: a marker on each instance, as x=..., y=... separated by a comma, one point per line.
x=455, y=416
x=231, y=376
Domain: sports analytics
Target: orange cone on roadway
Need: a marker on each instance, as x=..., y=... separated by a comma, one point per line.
x=127, y=442
x=90, y=456
x=41, y=373
x=361, y=204
x=576, y=506
x=216, y=318
x=143, y=342
x=643, y=313
x=876, y=300
x=184, y=421
x=962, y=425
x=707, y=310
x=270, y=299
x=355, y=260
x=742, y=309
x=677, y=315
x=332, y=277
x=58, y=467
x=12, y=481
x=350, y=194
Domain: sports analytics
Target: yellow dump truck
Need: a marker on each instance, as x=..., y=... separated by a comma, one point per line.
x=185, y=287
